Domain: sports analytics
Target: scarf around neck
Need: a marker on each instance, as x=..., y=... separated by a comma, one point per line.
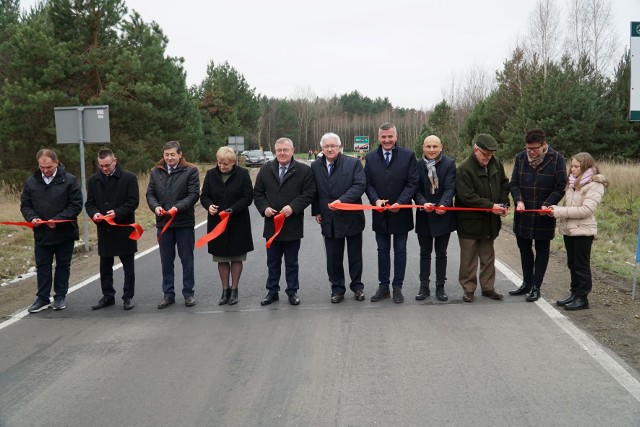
x=431, y=172
x=586, y=177
x=535, y=163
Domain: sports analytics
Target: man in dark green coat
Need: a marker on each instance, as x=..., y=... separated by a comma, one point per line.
x=480, y=183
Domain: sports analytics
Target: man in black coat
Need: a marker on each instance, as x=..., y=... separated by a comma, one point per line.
x=174, y=189
x=52, y=194
x=113, y=193
x=283, y=186
x=392, y=178
x=339, y=178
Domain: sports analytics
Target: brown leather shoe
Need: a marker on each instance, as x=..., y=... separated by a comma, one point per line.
x=492, y=294
x=467, y=297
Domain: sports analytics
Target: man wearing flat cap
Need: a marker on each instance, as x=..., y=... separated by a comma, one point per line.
x=480, y=183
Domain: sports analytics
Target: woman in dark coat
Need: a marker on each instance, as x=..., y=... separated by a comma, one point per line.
x=538, y=181
x=227, y=187
x=436, y=187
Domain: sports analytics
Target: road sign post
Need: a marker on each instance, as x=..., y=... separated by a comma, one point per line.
x=80, y=125
x=634, y=104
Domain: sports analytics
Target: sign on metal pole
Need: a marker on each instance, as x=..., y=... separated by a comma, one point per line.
x=360, y=143
x=634, y=104
x=635, y=272
x=236, y=142
x=80, y=125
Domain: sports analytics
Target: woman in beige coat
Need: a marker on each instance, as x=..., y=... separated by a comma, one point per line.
x=577, y=223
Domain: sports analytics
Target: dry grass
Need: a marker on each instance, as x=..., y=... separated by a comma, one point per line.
x=16, y=243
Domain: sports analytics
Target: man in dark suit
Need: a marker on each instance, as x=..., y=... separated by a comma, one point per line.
x=339, y=178
x=392, y=179
x=113, y=193
x=283, y=186
x=52, y=193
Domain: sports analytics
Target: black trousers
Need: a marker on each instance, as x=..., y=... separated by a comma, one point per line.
x=534, y=266
x=334, y=248
x=426, y=248
x=579, y=262
x=106, y=276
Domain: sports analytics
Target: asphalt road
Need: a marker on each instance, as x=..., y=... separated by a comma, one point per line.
x=489, y=363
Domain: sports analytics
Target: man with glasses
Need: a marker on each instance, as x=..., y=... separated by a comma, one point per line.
x=480, y=183
x=538, y=180
x=113, y=193
x=283, y=186
x=339, y=178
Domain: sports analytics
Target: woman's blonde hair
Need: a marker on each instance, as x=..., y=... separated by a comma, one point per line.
x=226, y=154
x=586, y=162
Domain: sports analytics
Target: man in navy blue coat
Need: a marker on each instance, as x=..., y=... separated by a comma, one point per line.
x=392, y=179
x=339, y=178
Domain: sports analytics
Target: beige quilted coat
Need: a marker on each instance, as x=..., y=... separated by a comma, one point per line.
x=577, y=215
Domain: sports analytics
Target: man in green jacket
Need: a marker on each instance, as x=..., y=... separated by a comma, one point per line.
x=480, y=183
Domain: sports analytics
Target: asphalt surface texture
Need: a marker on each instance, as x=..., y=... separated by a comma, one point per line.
x=356, y=363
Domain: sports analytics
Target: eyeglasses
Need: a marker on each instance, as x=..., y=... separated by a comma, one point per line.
x=107, y=166
x=485, y=153
x=331, y=147
x=534, y=148
x=283, y=150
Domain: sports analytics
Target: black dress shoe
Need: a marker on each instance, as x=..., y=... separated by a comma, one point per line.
x=166, y=302
x=569, y=299
x=189, y=301
x=580, y=303
x=104, y=302
x=423, y=293
x=359, y=295
x=128, y=305
x=523, y=289
x=440, y=294
x=336, y=298
x=381, y=293
x=271, y=297
x=225, y=296
x=534, y=294
x=233, y=296
x=294, y=300
x=398, y=298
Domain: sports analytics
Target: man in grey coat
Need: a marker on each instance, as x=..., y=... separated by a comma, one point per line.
x=340, y=178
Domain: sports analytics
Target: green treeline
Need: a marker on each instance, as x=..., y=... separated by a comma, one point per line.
x=95, y=52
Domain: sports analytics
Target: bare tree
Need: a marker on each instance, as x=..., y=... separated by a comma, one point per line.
x=591, y=34
x=545, y=30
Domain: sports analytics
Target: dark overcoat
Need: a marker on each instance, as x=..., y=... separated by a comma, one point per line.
x=537, y=188
x=296, y=190
x=396, y=183
x=430, y=223
x=235, y=194
x=61, y=199
x=480, y=187
x=118, y=192
x=347, y=184
x=180, y=189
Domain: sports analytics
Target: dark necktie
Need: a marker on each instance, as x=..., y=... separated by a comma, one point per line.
x=331, y=165
x=283, y=170
x=387, y=159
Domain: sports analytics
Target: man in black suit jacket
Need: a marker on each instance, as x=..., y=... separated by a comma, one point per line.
x=283, y=186
x=392, y=179
x=339, y=178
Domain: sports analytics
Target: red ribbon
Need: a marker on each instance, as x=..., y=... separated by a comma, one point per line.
x=217, y=231
x=172, y=212
x=137, y=229
x=357, y=207
x=32, y=225
x=278, y=222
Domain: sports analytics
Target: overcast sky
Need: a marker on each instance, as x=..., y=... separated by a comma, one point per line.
x=404, y=50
